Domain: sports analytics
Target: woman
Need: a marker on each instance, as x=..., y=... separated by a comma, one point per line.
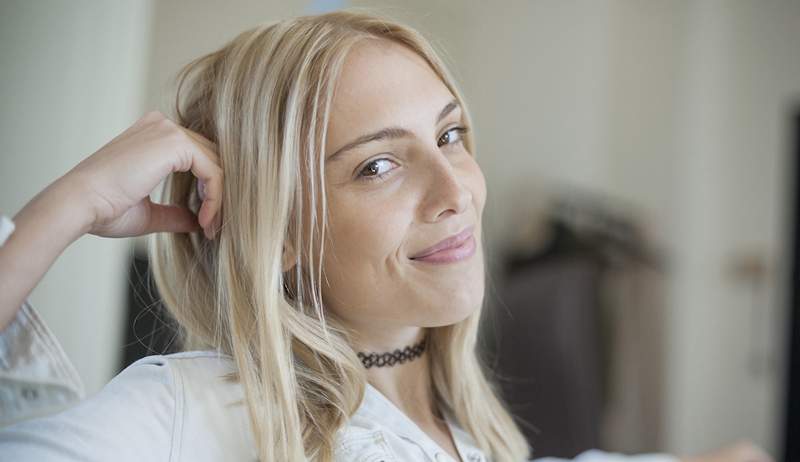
x=345, y=230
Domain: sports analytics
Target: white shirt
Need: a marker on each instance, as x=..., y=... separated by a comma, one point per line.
x=177, y=407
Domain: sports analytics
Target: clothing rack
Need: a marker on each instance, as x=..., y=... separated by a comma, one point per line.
x=581, y=224
x=564, y=323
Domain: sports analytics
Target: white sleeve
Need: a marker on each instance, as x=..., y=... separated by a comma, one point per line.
x=36, y=376
x=595, y=455
x=135, y=417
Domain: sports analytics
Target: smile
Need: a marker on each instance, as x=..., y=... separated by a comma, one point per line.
x=453, y=254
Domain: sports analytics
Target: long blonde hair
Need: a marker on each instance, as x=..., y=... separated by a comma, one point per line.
x=264, y=98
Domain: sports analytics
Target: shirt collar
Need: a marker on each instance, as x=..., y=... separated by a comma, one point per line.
x=377, y=408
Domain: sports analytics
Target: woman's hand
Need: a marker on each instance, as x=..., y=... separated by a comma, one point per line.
x=116, y=181
x=108, y=194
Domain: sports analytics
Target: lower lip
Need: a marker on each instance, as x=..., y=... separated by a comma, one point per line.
x=453, y=254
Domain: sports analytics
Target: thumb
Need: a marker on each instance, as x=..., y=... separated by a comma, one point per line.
x=172, y=219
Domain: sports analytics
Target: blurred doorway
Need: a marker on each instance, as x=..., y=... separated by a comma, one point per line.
x=792, y=429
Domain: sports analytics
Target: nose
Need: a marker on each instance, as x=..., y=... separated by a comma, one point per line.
x=447, y=192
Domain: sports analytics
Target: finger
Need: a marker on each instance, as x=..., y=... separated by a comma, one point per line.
x=205, y=142
x=206, y=170
x=217, y=224
x=210, y=149
x=172, y=219
x=201, y=190
x=212, y=202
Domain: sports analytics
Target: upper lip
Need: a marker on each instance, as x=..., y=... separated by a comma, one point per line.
x=453, y=241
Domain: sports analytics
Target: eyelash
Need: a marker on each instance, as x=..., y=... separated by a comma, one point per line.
x=460, y=129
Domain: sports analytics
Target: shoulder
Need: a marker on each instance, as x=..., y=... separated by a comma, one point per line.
x=136, y=406
x=211, y=407
x=206, y=405
x=143, y=413
x=363, y=444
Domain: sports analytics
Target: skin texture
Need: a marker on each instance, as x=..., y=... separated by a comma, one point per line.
x=432, y=188
x=431, y=191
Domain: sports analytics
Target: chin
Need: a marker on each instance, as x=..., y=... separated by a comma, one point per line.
x=452, y=314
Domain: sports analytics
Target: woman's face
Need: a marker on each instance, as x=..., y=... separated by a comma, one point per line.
x=429, y=188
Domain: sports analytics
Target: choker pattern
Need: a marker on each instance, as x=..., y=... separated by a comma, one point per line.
x=391, y=358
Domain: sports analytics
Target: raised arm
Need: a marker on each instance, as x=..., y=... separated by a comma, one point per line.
x=49, y=223
x=107, y=194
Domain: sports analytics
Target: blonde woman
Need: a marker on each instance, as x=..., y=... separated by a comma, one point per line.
x=322, y=208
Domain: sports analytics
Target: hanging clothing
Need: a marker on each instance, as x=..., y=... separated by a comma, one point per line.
x=576, y=333
x=548, y=353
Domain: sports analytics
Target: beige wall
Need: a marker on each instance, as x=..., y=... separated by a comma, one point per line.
x=72, y=79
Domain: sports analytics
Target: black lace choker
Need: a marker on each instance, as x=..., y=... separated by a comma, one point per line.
x=390, y=359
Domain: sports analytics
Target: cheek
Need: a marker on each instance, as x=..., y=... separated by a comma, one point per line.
x=364, y=231
x=361, y=255
x=477, y=184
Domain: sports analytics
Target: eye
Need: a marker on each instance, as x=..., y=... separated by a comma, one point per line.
x=449, y=137
x=371, y=171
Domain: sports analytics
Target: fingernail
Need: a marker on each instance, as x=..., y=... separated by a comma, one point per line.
x=201, y=190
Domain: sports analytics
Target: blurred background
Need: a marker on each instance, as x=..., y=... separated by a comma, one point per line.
x=641, y=220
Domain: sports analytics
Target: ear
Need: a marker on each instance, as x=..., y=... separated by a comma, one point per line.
x=288, y=259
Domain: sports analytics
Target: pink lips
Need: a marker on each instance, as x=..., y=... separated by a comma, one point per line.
x=454, y=248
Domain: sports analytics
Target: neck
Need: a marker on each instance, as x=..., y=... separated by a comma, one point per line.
x=406, y=385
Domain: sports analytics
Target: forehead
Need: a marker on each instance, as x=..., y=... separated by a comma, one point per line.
x=383, y=83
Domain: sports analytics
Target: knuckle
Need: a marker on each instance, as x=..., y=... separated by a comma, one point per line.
x=152, y=116
x=165, y=123
x=172, y=132
x=182, y=160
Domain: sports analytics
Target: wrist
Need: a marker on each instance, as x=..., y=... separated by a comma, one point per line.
x=60, y=206
x=74, y=199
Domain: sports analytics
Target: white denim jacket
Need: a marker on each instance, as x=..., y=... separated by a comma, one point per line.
x=177, y=407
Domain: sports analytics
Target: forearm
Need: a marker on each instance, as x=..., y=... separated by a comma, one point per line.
x=50, y=222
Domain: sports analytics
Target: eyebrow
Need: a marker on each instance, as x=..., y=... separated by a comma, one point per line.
x=388, y=133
